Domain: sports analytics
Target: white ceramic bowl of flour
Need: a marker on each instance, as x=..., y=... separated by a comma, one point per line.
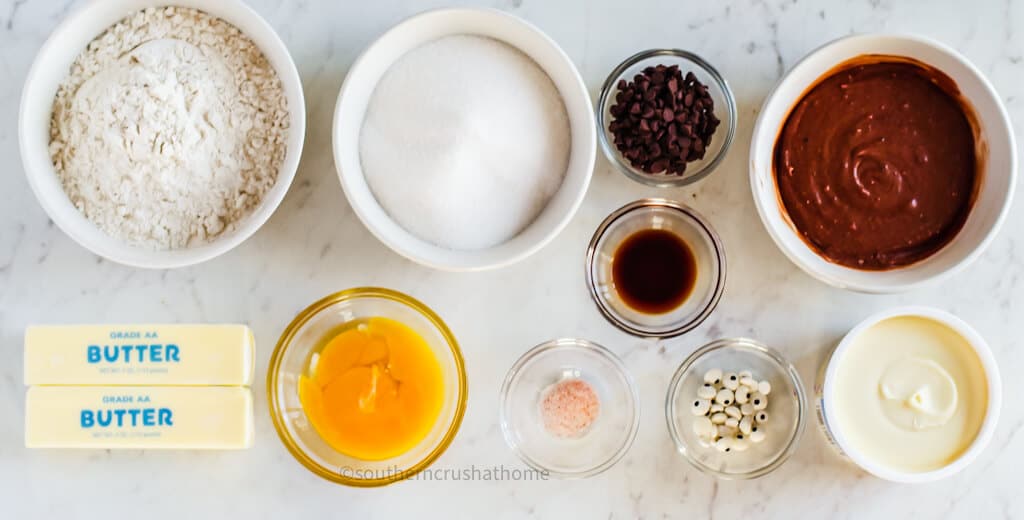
x=50, y=69
x=355, y=98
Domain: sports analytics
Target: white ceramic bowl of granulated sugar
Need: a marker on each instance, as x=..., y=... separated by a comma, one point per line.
x=51, y=67
x=361, y=185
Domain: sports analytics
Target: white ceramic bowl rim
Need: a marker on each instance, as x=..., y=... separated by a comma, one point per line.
x=54, y=60
x=896, y=280
x=988, y=363
x=427, y=26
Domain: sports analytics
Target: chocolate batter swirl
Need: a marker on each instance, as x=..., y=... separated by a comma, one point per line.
x=876, y=164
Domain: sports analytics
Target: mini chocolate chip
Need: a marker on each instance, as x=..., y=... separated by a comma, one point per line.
x=662, y=119
x=673, y=85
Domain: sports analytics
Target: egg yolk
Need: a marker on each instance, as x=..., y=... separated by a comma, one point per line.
x=374, y=390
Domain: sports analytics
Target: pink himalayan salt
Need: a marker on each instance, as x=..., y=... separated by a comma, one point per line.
x=569, y=408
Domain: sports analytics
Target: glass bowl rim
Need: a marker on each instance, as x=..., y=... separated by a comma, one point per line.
x=557, y=344
x=746, y=344
x=705, y=228
x=661, y=180
x=349, y=295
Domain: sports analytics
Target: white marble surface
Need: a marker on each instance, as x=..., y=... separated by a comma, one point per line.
x=314, y=245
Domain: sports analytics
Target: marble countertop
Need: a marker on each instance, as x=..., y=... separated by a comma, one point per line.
x=314, y=245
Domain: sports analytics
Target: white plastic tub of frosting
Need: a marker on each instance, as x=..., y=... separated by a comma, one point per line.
x=910, y=395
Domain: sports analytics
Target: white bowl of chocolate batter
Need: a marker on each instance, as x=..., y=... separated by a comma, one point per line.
x=183, y=173
x=993, y=185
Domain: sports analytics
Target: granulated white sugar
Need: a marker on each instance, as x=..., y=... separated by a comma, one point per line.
x=465, y=141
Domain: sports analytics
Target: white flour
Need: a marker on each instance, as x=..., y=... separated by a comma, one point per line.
x=170, y=128
x=465, y=141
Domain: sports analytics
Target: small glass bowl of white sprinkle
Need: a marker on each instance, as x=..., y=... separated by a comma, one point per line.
x=736, y=409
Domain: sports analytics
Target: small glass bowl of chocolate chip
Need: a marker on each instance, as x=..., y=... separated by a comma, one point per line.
x=666, y=117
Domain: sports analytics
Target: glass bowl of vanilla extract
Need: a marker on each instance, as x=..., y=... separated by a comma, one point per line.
x=656, y=268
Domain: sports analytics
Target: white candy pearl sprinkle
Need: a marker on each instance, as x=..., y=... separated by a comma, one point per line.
x=700, y=407
x=724, y=444
x=739, y=444
x=729, y=411
x=724, y=397
x=703, y=428
x=742, y=394
x=759, y=401
x=713, y=376
x=746, y=425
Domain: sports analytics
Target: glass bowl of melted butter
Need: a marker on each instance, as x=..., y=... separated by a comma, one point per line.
x=367, y=387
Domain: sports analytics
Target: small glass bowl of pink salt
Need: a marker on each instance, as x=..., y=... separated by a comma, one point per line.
x=569, y=408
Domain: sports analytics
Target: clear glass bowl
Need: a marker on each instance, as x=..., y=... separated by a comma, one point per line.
x=687, y=224
x=787, y=408
x=608, y=438
x=721, y=94
x=290, y=360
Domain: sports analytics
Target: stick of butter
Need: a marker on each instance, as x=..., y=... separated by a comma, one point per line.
x=139, y=355
x=139, y=417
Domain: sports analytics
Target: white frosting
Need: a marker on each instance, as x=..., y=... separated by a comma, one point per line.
x=910, y=394
x=919, y=393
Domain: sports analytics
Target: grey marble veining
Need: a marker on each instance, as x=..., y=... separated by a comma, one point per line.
x=314, y=245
